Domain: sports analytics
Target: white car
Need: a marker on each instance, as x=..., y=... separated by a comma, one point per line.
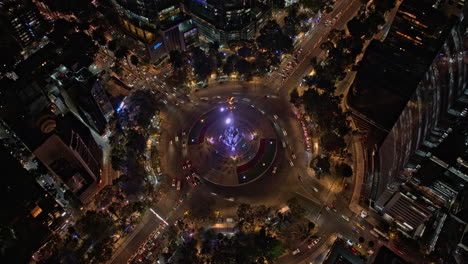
x=284, y=132
x=291, y=163
x=275, y=116
x=274, y=170
x=295, y=252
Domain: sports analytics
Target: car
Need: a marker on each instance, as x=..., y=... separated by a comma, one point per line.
x=192, y=181
x=176, y=139
x=230, y=199
x=355, y=229
x=295, y=252
x=275, y=116
x=291, y=163
x=189, y=164
x=360, y=226
x=196, y=178
x=284, y=132
x=274, y=170
x=293, y=156
x=187, y=177
x=179, y=183
x=170, y=142
x=314, y=242
x=174, y=182
x=345, y=218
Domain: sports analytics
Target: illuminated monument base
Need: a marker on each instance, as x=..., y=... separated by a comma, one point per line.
x=232, y=144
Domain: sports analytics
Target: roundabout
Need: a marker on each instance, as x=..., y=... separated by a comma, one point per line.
x=232, y=143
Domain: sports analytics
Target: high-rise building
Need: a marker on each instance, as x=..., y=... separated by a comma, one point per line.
x=21, y=20
x=73, y=155
x=222, y=21
x=414, y=77
x=160, y=24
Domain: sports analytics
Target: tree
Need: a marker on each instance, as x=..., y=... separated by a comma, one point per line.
x=296, y=209
x=243, y=67
x=134, y=60
x=361, y=240
x=331, y=142
x=200, y=64
x=122, y=52
x=245, y=212
x=322, y=162
x=273, y=40
x=370, y=243
x=384, y=5
x=295, y=98
x=101, y=252
x=95, y=224
x=343, y=170
x=313, y=5
x=98, y=35
x=176, y=59
x=62, y=28
x=113, y=44
x=277, y=4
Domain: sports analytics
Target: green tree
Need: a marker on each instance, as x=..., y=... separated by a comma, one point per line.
x=122, y=52
x=343, y=170
x=331, y=142
x=295, y=207
x=134, y=60
x=295, y=99
x=102, y=251
x=245, y=212
x=96, y=225
x=313, y=5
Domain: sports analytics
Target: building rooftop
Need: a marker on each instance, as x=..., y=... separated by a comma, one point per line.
x=340, y=253
x=384, y=255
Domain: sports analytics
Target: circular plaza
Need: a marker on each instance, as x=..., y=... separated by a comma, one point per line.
x=232, y=143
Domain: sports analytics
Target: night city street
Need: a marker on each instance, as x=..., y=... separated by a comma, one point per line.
x=234, y=132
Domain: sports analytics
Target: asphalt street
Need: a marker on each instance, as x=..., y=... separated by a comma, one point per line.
x=272, y=189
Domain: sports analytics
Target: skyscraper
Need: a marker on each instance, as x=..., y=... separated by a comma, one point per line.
x=414, y=76
x=21, y=20
x=160, y=24
x=222, y=21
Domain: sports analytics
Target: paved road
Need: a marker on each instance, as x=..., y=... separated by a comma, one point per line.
x=272, y=190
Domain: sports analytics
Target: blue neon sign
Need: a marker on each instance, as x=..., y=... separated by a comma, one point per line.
x=157, y=45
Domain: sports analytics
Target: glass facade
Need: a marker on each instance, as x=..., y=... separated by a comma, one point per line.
x=420, y=124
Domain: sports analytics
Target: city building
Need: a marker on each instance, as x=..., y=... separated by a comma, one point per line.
x=415, y=76
x=72, y=154
x=21, y=20
x=29, y=214
x=405, y=210
x=224, y=21
x=341, y=252
x=57, y=119
x=384, y=255
x=160, y=24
